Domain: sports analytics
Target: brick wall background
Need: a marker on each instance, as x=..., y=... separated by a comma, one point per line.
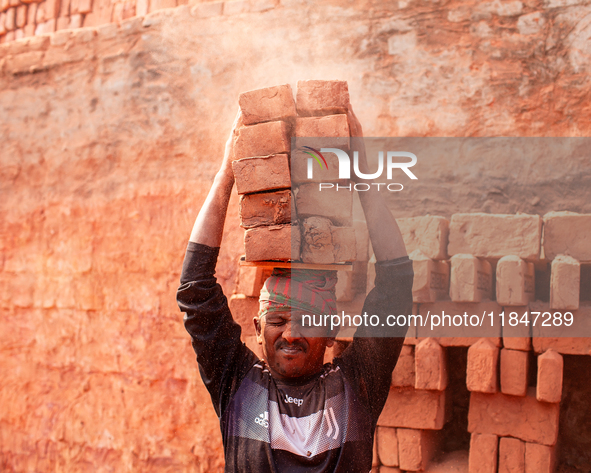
x=111, y=136
x=22, y=19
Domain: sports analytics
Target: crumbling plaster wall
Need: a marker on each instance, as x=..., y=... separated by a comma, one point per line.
x=111, y=137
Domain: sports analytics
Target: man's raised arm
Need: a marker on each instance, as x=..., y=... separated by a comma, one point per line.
x=375, y=349
x=384, y=233
x=215, y=337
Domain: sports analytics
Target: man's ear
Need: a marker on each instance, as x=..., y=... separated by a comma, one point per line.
x=258, y=329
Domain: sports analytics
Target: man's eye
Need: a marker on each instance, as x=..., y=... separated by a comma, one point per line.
x=276, y=322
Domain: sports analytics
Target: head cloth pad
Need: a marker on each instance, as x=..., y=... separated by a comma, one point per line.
x=308, y=291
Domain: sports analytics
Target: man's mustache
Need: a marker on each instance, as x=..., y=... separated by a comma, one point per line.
x=295, y=344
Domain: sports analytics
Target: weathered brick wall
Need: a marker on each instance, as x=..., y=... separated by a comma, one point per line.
x=112, y=135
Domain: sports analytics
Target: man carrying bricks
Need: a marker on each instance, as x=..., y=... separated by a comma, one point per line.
x=289, y=411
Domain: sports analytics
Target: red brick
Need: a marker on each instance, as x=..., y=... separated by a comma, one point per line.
x=21, y=290
x=85, y=6
x=76, y=21
x=337, y=205
x=31, y=13
x=522, y=417
x=263, y=139
x=375, y=461
x=404, y=373
x=343, y=241
x=250, y=280
x=430, y=366
x=514, y=371
x=47, y=10
x=387, y=446
x=483, y=453
x=201, y=10
x=470, y=279
x=277, y=242
x=415, y=448
x=539, y=458
x=573, y=340
x=515, y=281
x=29, y=30
x=317, y=244
x=332, y=126
x=461, y=336
x=262, y=5
x=565, y=283
x=87, y=293
x=511, y=455
x=266, y=208
x=21, y=16
x=412, y=409
x=322, y=243
x=262, y=174
x=9, y=19
x=431, y=278
x=494, y=236
x=322, y=97
x=46, y=27
x=481, y=372
x=429, y=234
x=564, y=233
x=244, y=309
x=64, y=9
x=63, y=23
x=519, y=336
x=550, y=371
x=269, y=104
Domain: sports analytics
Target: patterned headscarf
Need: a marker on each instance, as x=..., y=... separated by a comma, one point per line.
x=307, y=291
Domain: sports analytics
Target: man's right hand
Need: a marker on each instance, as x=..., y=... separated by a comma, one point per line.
x=229, y=150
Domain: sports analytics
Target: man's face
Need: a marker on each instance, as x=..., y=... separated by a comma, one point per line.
x=287, y=353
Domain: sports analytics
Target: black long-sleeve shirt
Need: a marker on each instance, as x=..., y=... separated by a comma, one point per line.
x=325, y=423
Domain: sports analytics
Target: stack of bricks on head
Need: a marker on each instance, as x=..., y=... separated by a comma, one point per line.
x=285, y=215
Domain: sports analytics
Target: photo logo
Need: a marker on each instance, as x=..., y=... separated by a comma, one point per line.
x=317, y=155
x=389, y=160
x=345, y=163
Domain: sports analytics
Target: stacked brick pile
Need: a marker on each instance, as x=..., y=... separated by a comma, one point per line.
x=25, y=18
x=489, y=265
x=476, y=263
x=285, y=215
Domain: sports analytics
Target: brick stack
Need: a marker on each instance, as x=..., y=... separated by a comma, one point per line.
x=488, y=265
x=286, y=216
x=261, y=168
x=415, y=410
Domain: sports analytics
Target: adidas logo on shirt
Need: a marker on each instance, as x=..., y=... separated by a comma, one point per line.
x=263, y=419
